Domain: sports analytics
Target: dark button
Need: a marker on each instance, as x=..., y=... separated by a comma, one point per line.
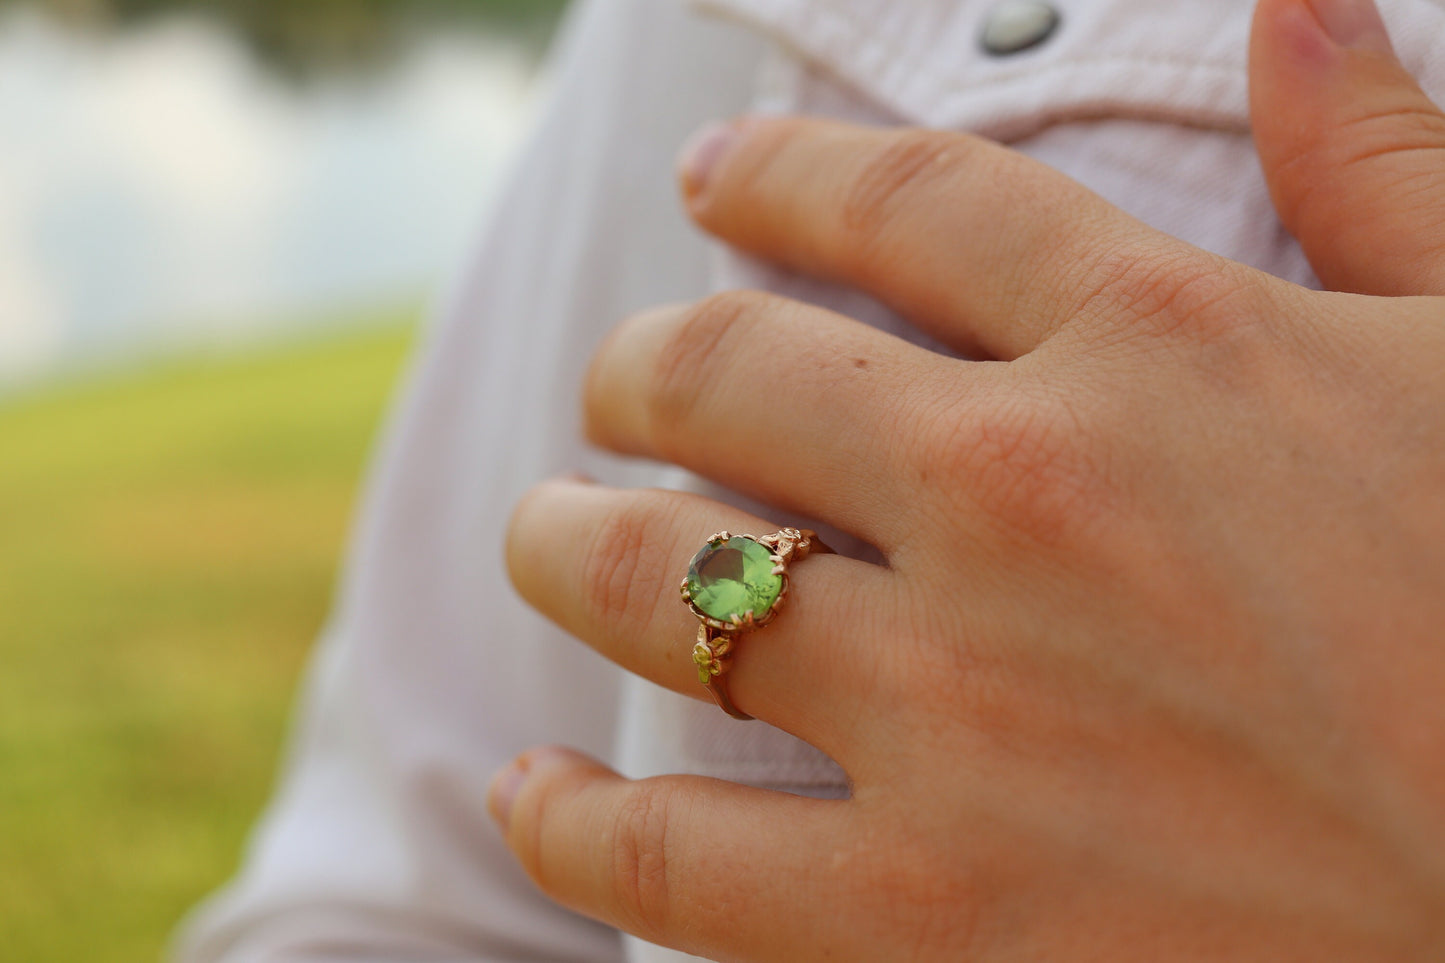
x=1015, y=25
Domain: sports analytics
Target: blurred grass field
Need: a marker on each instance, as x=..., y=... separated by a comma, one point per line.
x=168, y=542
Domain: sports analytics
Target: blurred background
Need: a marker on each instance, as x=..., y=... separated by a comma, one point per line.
x=221, y=224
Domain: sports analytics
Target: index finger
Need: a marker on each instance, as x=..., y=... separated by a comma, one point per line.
x=989, y=250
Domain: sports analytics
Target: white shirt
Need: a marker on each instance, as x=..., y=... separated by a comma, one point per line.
x=431, y=675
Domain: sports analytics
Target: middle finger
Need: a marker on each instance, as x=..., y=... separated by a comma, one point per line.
x=794, y=405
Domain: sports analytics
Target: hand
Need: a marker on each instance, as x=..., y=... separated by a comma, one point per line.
x=1155, y=668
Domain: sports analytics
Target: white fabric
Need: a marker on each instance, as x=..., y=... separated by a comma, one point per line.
x=431, y=675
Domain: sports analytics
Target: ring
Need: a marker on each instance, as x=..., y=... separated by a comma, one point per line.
x=734, y=584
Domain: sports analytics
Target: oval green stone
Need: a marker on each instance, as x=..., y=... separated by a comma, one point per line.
x=733, y=578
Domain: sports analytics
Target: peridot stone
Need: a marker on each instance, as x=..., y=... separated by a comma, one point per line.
x=733, y=578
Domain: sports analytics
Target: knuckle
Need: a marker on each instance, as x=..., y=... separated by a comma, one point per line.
x=889, y=183
x=691, y=364
x=940, y=900
x=1385, y=133
x=615, y=570
x=1312, y=173
x=641, y=834
x=1178, y=293
x=1025, y=463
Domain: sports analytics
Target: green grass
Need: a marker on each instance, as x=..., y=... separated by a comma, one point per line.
x=168, y=543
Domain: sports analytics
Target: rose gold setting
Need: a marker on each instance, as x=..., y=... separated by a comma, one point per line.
x=712, y=652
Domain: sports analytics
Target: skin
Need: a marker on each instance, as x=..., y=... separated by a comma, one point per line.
x=1154, y=668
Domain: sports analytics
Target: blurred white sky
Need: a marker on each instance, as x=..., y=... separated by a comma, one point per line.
x=160, y=187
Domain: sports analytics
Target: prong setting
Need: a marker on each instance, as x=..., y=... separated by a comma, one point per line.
x=716, y=636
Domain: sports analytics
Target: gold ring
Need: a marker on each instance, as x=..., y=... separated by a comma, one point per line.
x=736, y=583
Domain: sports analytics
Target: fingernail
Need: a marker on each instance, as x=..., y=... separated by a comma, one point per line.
x=1355, y=24
x=577, y=477
x=502, y=793
x=508, y=781
x=702, y=152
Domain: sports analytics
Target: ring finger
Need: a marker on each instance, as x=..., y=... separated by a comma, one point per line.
x=605, y=565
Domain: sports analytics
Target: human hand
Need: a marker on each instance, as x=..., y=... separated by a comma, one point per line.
x=1155, y=667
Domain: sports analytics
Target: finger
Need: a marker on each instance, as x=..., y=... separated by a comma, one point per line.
x=701, y=865
x=1354, y=151
x=799, y=407
x=606, y=565
x=988, y=250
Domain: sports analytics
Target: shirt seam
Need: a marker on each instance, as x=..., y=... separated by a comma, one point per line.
x=876, y=48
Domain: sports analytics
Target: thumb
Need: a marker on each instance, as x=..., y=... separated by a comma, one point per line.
x=1353, y=149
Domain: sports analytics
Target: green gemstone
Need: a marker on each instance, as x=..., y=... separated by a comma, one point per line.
x=733, y=578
